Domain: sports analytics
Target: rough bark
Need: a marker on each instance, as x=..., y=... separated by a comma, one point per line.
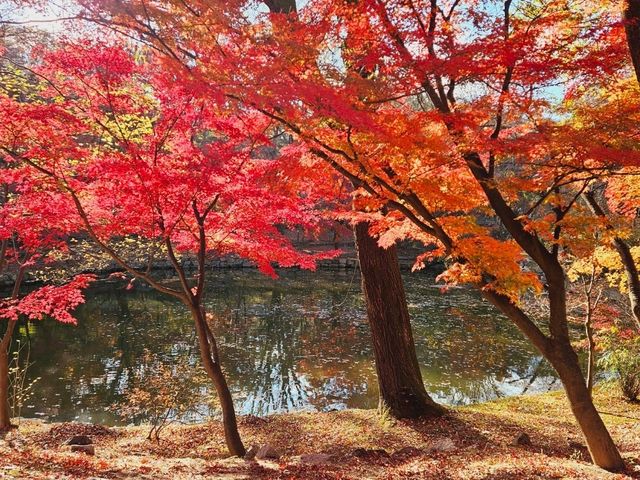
x=5, y=413
x=400, y=381
x=624, y=252
x=401, y=387
x=211, y=363
x=631, y=15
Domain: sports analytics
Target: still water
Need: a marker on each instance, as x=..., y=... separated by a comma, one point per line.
x=300, y=342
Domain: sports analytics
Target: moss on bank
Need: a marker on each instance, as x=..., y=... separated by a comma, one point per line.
x=473, y=442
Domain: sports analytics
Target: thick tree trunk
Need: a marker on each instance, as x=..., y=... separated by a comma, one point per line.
x=399, y=377
x=624, y=252
x=601, y=447
x=401, y=388
x=211, y=363
x=631, y=15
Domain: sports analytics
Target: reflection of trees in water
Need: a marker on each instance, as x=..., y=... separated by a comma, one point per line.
x=297, y=342
x=87, y=367
x=285, y=350
x=472, y=354
x=267, y=347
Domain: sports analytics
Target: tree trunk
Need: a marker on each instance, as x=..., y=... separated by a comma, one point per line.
x=5, y=414
x=399, y=377
x=633, y=279
x=591, y=362
x=5, y=343
x=401, y=388
x=558, y=351
x=631, y=15
x=624, y=252
x=281, y=6
x=211, y=363
x=601, y=447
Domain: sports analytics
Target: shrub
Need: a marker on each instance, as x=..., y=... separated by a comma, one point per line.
x=165, y=393
x=20, y=389
x=622, y=356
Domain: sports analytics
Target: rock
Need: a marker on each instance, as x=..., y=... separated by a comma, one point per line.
x=316, y=458
x=522, y=439
x=251, y=453
x=86, y=449
x=267, y=452
x=359, y=452
x=366, y=453
x=408, y=452
x=443, y=445
x=252, y=420
x=80, y=440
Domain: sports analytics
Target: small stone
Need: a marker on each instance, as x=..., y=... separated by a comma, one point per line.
x=443, y=445
x=522, y=439
x=252, y=420
x=366, y=453
x=86, y=449
x=408, y=452
x=316, y=458
x=80, y=440
x=359, y=452
x=251, y=453
x=267, y=452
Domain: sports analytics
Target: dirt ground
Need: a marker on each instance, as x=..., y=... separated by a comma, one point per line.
x=475, y=442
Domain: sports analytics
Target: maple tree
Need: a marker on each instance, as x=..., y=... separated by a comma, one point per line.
x=626, y=190
x=401, y=385
x=472, y=127
x=459, y=134
x=615, y=200
x=33, y=235
x=130, y=152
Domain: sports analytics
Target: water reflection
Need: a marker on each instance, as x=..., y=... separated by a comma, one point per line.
x=299, y=342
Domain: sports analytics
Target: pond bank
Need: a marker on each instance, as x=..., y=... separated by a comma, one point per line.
x=347, y=260
x=473, y=442
x=299, y=342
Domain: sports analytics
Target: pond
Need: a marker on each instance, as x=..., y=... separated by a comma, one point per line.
x=300, y=342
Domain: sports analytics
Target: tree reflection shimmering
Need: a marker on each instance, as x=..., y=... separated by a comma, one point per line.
x=298, y=342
